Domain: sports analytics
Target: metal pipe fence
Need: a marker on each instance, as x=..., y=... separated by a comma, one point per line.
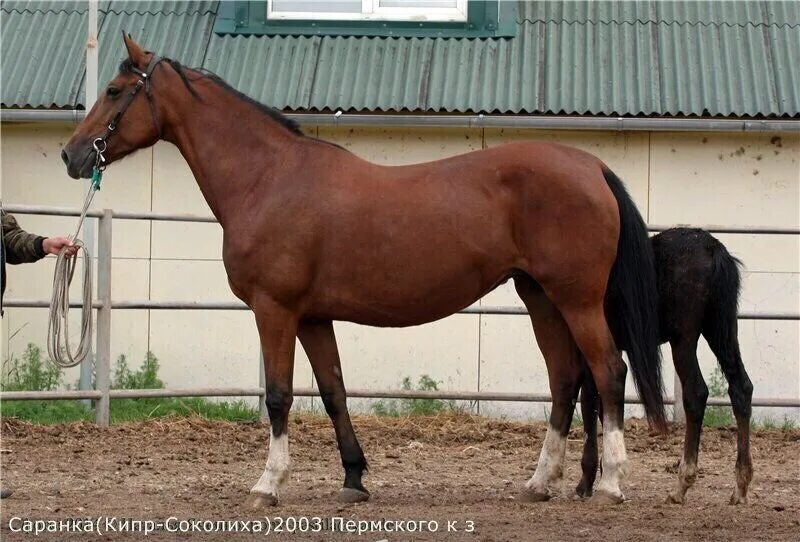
x=104, y=305
x=438, y=120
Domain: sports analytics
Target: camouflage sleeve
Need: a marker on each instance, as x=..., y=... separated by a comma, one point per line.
x=19, y=245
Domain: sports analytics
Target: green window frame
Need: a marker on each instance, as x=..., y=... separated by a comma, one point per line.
x=485, y=19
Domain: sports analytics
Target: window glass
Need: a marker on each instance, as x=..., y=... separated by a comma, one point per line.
x=317, y=6
x=418, y=3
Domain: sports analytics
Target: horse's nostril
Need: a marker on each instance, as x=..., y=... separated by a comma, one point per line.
x=65, y=157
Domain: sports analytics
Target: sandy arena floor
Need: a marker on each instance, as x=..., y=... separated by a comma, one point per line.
x=455, y=468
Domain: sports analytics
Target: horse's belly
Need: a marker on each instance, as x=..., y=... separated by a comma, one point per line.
x=392, y=298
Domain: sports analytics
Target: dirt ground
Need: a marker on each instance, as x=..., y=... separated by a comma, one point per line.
x=455, y=468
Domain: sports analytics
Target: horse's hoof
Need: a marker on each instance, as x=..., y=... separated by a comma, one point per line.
x=583, y=491
x=349, y=495
x=738, y=499
x=257, y=501
x=675, y=498
x=6, y=493
x=531, y=495
x=602, y=497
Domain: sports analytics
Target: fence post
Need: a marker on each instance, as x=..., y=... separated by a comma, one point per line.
x=678, y=415
x=89, y=229
x=103, y=353
x=88, y=363
x=262, y=383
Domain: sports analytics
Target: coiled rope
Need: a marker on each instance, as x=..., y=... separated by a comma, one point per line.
x=58, y=344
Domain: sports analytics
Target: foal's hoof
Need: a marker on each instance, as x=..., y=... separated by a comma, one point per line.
x=736, y=498
x=602, y=497
x=528, y=494
x=583, y=490
x=257, y=501
x=675, y=498
x=349, y=495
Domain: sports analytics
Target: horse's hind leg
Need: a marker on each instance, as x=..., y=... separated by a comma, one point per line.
x=695, y=395
x=590, y=414
x=588, y=325
x=319, y=342
x=740, y=390
x=564, y=372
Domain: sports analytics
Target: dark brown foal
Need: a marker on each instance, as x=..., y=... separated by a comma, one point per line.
x=698, y=287
x=313, y=233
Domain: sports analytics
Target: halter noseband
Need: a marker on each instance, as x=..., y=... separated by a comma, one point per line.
x=100, y=144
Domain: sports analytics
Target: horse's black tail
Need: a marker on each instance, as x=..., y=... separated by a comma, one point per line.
x=720, y=323
x=632, y=304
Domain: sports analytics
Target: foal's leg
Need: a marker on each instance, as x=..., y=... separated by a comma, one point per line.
x=740, y=390
x=590, y=329
x=319, y=342
x=277, y=328
x=590, y=402
x=695, y=396
x=564, y=373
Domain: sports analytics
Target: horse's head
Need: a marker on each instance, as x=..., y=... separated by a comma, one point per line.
x=123, y=120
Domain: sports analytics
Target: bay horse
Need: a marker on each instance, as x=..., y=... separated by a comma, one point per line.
x=313, y=233
x=698, y=294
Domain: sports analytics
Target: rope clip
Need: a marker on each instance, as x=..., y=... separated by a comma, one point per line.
x=100, y=147
x=97, y=176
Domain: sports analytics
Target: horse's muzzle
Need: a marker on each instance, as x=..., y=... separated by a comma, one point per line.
x=79, y=162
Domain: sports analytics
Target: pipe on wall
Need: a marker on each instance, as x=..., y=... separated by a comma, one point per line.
x=542, y=122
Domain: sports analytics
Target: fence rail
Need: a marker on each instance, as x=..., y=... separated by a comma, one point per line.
x=46, y=210
x=352, y=393
x=150, y=304
x=104, y=305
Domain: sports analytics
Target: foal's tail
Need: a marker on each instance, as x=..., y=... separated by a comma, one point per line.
x=632, y=304
x=720, y=320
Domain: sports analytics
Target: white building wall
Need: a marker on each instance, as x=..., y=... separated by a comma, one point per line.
x=691, y=178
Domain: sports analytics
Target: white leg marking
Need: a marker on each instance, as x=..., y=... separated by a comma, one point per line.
x=551, y=459
x=277, y=470
x=615, y=461
x=687, y=472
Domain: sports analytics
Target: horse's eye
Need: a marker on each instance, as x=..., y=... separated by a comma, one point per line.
x=113, y=92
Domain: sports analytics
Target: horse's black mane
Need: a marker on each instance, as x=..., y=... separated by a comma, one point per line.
x=126, y=67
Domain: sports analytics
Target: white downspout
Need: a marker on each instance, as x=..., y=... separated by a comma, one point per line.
x=90, y=227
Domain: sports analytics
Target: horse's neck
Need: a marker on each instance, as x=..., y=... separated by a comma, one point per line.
x=231, y=148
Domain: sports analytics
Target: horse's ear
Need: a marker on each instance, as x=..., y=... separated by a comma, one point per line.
x=135, y=51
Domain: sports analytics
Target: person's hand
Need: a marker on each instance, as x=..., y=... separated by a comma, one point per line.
x=53, y=245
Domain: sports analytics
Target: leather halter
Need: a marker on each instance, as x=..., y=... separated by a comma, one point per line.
x=101, y=143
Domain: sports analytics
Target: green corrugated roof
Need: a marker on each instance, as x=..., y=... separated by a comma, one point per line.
x=573, y=57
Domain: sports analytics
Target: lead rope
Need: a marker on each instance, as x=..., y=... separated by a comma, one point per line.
x=58, y=345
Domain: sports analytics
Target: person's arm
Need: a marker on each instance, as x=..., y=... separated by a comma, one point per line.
x=23, y=247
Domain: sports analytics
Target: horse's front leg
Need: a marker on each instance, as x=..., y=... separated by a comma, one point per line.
x=277, y=328
x=319, y=341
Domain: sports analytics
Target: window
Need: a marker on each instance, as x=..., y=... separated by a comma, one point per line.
x=368, y=10
x=408, y=18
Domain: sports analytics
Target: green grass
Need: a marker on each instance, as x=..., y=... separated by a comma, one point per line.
x=130, y=410
x=788, y=423
x=415, y=407
x=718, y=416
x=33, y=372
x=47, y=412
x=768, y=423
x=722, y=416
x=134, y=410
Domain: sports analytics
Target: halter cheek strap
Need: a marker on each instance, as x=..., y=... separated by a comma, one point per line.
x=100, y=144
x=144, y=78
